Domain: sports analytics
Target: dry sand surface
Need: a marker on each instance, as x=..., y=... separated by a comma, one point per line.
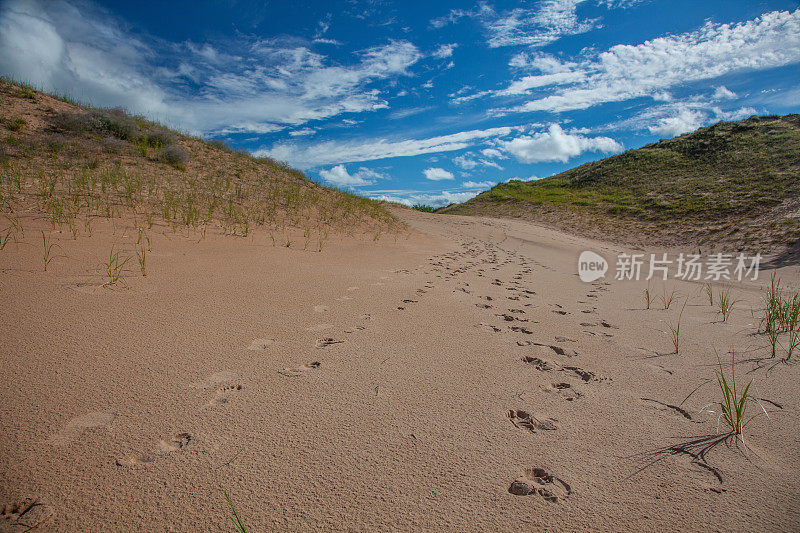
x=415, y=383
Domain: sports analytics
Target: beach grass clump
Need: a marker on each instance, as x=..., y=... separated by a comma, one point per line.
x=733, y=404
x=726, y=303
x=47, y=250
x=175, y=155
x=675, y=330
x=781, y=315
x=112, y=267
x=14, y=124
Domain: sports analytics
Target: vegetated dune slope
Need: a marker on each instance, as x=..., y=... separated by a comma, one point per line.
x=734, y=185
x=70, y=163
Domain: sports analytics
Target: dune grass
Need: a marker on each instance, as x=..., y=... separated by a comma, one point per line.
x=781, y=316
x=675, y=330
x=84, y=163
x=733, y=404
x=726, y=303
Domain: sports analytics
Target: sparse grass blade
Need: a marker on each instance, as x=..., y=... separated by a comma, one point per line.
x=237, y=521
x=709, y=294
x=667, y=299
x=47, y=252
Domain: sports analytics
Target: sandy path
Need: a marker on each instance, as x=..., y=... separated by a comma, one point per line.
x=369, y=387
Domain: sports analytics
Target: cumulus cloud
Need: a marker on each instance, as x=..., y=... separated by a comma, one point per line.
x=683, y=121
x=437, y=174
x=435, y=199
x=679, y=117
x=557, y=145
x=340, y=177
x=478, y=184
x=307, y=155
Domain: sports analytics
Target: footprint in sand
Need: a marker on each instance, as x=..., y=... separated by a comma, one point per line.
x=320, y=308
x=327, y=341
x=224, y=394
x=540, y=481
x=77, y=426
x=215, y=379
x=299, y=370
x=175, y=443
x=565, y=390
x=525, y=420
x=558, y=349
x=261, y=344
x=24, y=515
x=539, y=364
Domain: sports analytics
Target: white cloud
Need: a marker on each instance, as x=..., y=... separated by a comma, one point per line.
x=548, y=22
x=736, y=114
x=678, y=117
x=552, y=20
x=339, y=176
x=444, y=50
x=465, y=162
x=302, y=132
x=493, y=152
x=524, y=85
x=478, y=184
x=723, y=93
x=489, y=163
x=624, y=72
x=255, y=85
x=307, y=155
x=685, y=120
x=437, y=174
x=544, y=63
x=432, y=199
x=557, y=145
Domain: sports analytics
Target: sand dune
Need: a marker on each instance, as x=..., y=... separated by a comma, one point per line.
x=458, y=377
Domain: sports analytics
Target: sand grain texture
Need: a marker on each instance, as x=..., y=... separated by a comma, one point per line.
x=458, y=378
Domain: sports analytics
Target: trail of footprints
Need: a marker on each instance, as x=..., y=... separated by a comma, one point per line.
x=509, y=308
x=476, y=257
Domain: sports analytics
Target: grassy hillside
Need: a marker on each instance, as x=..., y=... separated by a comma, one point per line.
x=72, y=163
x=733, y=183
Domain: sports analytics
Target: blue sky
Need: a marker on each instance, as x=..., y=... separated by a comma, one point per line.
x=428, y=102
